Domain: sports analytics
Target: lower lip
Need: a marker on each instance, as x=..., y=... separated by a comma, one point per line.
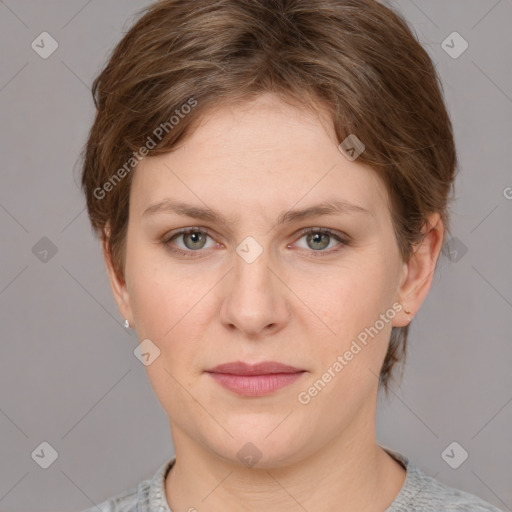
x=255, y=385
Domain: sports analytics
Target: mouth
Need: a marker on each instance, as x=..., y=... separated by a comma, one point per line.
x=255, y=379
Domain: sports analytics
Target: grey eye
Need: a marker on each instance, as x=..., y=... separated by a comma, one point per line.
x=318, y=240
x=194, y=240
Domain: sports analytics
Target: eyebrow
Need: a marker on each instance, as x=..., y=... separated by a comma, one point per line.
x=334, y=207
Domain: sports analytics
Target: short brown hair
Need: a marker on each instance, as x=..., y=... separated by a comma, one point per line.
x=359, y=58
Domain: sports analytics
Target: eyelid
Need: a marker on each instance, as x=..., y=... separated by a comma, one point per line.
x=321, y=229
x=183, y=231
x=192, y=229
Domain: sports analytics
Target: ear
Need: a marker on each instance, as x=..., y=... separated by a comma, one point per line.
x=117, y=283
x=418, y=272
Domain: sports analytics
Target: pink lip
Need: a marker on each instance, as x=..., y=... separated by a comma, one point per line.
x=254, y=380
x=264, y=368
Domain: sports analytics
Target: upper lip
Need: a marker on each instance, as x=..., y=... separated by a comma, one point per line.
x=264, y=368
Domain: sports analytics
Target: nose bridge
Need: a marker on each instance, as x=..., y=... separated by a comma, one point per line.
x=252, y=276
x=253, y=299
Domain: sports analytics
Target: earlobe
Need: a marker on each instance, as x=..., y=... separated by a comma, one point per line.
x=117, y=284
x=418, y=272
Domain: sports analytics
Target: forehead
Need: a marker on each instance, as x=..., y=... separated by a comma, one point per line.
x=262, y=154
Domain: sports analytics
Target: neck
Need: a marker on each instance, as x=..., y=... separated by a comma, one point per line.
x=351, y=472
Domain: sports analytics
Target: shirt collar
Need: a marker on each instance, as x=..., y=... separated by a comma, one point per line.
x=157, y=500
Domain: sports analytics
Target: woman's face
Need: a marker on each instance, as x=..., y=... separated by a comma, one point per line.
x=252, y=288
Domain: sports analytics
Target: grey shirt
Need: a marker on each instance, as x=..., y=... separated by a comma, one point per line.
x=419, y=493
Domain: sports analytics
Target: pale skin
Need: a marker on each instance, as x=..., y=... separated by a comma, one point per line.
x=250, y=162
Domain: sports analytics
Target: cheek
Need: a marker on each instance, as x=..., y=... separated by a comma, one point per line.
x=351, y=298
x=347, y=363
x=166, y=310
x=350, y=302
x=164, y=298
x=173, y=308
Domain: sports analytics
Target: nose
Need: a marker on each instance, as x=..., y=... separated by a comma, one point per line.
x=254, y=298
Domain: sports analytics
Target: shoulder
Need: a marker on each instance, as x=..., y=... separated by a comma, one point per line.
x=422, y=493
x=148, y=495
x=427, y=493
x=125, y=501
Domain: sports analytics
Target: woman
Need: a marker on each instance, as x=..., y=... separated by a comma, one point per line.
x=270, y=181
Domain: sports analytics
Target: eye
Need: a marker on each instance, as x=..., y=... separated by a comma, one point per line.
x=194, y=240
x=318, y=239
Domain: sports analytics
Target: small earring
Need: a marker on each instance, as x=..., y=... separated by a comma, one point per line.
x=408, y=313
x=126, y=324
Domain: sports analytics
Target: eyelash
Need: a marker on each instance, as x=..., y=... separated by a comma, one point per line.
x=166, y=242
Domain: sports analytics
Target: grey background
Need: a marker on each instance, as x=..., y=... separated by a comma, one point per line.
x=68, y=375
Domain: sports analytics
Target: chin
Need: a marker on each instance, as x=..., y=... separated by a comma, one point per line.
x=258, y=449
